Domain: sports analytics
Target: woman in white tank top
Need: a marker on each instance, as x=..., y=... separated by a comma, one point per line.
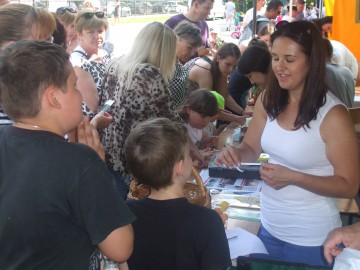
x=310, y=138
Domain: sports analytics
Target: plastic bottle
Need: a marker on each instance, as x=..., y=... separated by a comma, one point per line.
x=226, y=137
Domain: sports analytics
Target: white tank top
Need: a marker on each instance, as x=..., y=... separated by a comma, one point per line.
x=293, y=214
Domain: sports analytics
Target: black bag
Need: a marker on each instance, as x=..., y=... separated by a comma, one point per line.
x=248, y=263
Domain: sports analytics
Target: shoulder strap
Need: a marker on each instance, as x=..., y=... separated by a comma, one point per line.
x=207, y=59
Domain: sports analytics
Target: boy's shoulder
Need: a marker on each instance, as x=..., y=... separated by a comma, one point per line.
x=180, y=207
x=45, y=143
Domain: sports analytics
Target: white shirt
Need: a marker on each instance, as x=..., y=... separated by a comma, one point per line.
x=229, y=8
x=77, y=58
x=249, y=14
x=195, y=134
x=344, y=57
x=293, y=214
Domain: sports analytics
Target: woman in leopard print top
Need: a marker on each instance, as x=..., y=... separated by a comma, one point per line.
x=137, y=82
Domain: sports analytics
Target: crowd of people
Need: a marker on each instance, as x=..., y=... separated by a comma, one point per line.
x=65, y=206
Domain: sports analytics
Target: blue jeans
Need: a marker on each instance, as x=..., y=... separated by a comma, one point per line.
x=283, y=251
x=119, y=182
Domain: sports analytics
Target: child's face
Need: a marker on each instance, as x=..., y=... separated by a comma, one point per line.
x=71, y=101
x=197, y=120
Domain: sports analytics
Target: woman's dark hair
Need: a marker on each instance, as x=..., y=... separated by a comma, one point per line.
x=59, y=34
x=228, y=49
x=321, y=21
x=256, y=41
x=313, y=97
x=254, y=58
x=201, y=101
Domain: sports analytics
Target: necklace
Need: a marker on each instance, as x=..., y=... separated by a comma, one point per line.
x=28, y=126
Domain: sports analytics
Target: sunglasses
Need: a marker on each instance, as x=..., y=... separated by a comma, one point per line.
x=296, y=27
x=62, y=10
x=98, y=14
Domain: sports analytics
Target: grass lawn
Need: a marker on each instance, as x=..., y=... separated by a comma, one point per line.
x=145, y=18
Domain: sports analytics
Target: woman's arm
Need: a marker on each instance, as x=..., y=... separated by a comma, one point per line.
x=229, y=100
x=250, y=148
x=232, y=105
x=341, y=148
x=87, y=87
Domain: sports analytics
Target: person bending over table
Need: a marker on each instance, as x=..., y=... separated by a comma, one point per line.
x=212, y=73
x=310, y=138
x=170, y=232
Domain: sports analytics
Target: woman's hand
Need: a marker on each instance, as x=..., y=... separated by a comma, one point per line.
x=88, y=135
x=240, y=119
x=247, y=113
x=229, y=156
x=276, y=176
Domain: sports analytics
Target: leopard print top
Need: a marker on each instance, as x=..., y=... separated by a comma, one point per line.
x=97, y=70
x=146, y=98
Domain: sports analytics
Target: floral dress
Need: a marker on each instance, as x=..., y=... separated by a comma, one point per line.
x=146, y=98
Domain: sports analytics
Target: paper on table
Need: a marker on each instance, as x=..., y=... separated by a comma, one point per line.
x=242, y=243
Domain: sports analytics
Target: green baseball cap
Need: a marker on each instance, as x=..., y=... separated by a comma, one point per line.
x=220, y=100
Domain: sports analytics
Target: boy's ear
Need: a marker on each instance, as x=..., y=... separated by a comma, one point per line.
x=178, y=167
x=51, y=96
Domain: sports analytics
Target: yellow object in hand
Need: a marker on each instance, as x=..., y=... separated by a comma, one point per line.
x=224, y=206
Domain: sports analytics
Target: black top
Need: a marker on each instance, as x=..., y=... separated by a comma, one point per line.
x=57, y=202
x=174, y=234
x=239, y=86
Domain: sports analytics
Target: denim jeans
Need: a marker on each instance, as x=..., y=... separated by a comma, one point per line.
x=283, y=251
x=120, y=183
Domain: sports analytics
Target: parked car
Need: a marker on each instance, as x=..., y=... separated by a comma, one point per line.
x=158, y=7
x=124, y=10
x=218, y=10
x=174, y=7
x=142, y=8
x=170, y=7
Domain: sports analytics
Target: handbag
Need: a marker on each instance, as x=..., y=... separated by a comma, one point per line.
x=196, y=193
